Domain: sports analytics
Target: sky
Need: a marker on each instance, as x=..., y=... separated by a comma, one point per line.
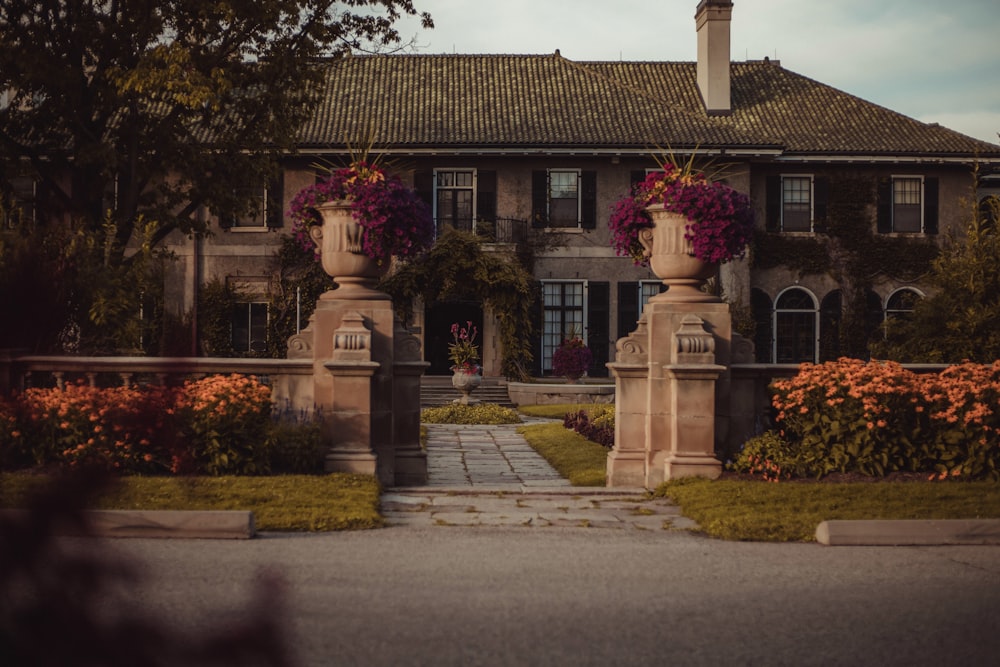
x=937, y=61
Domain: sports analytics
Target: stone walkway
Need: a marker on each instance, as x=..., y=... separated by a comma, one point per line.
x=489, y=476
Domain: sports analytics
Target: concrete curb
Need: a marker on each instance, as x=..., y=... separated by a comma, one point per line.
x=909, y=532
x=210, y=524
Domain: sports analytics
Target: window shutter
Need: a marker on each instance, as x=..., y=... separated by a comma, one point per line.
x=539, y=198
x=275, y=208
x=423, y=185
x=930, y=206
x=537, y=326
x=884, y=205
x=773, y=203
x=636, y=177
x=628, y=308
x=598, y=326
x=821, y=194
x=486, y=196
x=588, y=199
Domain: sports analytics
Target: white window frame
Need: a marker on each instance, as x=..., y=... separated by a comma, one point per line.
x=777, y=312
x=886, y=312
x=474, y=188
x=579, y=198
x=899, y=178
x=548, y=348
x=238, y=225
x=812, y=201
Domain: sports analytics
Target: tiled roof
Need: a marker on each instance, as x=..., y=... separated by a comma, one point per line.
x=549, y=102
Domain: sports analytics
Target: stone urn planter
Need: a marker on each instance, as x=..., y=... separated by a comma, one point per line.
x=465, y=380
x=339, y=241
x=671, y=258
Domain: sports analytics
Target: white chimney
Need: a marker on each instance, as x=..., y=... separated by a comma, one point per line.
x=712, y=20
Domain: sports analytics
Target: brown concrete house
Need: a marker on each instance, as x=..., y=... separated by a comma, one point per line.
x=534, y=149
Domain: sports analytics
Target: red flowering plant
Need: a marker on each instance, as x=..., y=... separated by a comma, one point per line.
x=721, y=220
x=463, y=352
x=395, y=221
x=572, y=358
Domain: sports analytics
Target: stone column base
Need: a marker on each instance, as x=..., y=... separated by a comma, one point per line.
x=677, y=466
x=358, y=462
x=627, y=469
x=411, y=468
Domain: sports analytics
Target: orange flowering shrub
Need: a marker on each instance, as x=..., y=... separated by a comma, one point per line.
x=226, y=420
x=215, y=425
x=876, y=417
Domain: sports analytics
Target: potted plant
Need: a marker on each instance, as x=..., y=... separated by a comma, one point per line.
x=464, y=353
x=357, y=219
x=571, y=359
x=682, y=225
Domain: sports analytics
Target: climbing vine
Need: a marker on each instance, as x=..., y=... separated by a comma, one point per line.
x=457, y=267
x=845, y=248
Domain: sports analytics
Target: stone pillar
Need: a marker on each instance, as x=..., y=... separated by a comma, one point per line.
x=408, y=366
x=691, y=412
x=348, y=415
x=668, y=410
x=627, y=459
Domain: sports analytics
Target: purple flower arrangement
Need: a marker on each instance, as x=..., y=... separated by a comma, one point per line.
x=721, y=219
x=571, y=359
x=395, y=221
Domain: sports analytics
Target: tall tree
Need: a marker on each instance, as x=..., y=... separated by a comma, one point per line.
x=129, y=110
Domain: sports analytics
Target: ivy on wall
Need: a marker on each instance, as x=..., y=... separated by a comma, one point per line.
x=457, y=267
x=299, y=280
x=845, y=247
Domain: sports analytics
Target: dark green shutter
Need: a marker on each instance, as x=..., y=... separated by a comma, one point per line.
x=486, y=196
x=772, y=205
x=930, y=206
x=598, y=326
x=423, y=185
x=276, y=202
x=588, y=199
x=636, y=177
x=539, y=198
x=884, y=221
x=628, y=308
x=821, y=192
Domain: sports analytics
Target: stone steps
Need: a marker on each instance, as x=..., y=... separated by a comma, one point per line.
x=437, y=390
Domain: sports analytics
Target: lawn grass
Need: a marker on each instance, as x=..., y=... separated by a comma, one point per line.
x=577, y=459
x=790, y=511
x=557, y=411
x=280, y=503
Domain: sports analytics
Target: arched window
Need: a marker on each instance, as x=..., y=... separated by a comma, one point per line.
x=900, y=303
x=795, y=326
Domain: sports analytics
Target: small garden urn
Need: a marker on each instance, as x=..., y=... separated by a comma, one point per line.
x=465, y=379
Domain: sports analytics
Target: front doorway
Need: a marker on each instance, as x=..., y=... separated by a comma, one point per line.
x=438, y=320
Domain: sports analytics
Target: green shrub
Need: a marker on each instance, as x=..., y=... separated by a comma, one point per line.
x=770, y=456
x=297, y=447
x=481, y=413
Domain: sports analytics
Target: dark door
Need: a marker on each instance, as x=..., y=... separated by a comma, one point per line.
x=439, y=318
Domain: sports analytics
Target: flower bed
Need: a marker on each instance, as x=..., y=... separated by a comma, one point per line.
x=216, y=425
x=877, y=417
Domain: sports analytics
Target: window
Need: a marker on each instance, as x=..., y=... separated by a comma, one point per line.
x=796, y=203
x=900, y=303
x=250, y=327
x=565, y=198
x=18, y=202
x=647, y=290
x=563, y=315
x=263, y=208
x=795, y=327
x=454, y=198
x=908, y=205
